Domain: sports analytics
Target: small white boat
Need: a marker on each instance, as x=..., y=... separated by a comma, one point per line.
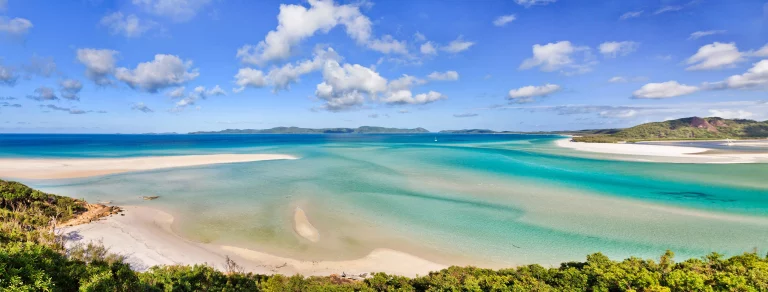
x=435, y=139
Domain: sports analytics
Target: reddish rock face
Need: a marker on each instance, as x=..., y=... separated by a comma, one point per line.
x=702, y=124
x=719, y=123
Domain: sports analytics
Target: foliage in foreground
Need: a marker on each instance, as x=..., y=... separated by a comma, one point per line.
x=28, y=263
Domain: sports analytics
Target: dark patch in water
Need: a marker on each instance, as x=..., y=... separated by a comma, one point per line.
x=696, y=195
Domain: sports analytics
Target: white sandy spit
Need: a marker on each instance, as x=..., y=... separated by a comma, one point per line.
x=32, y=168
x=145, y=236
x=303, y=227
x=661, y=153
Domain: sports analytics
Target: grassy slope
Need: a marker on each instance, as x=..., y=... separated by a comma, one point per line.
x=33, y=259
x=686, y=129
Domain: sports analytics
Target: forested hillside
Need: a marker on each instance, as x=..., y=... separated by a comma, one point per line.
x=693, y=128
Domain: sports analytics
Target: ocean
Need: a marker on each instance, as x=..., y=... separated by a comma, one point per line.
x=486, y=200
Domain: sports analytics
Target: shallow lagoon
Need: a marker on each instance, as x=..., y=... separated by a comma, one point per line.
x=491, y=200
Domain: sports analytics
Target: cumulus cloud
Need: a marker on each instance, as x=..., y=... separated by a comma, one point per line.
x=755, y=77
x=731, y=114
x=613, y=49
x=70, y=88
x=504, y=19
x=715, y=56
x=631, y=14
x=282, y=77
x=529, y=3
x=528, y=93
x=198, y=93
x=177, y=10
x=99, y=64
x=8, y=76
x=162, y=72
x=129, y=26
x=419, y=37
x=664, y=90
x=176, y=92
x=428, y=49
x=15, y=27
x=762, y=52
x=465, y=115
x=345, y=87
x=406, y=97
x=458, y=45
x=43, y=93
x=699, y=34
x=296, y=23
x=557, y=56
x=140, y=106
x=248, y=77
x=444, y=76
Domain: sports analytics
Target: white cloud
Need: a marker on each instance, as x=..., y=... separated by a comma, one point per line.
x=99, y=64
x=730, y=114
x=140, y=106
x=428, y=49
x=613, y=49
x=715, y=56
x=15, y=27
x=43, y=93
x=177, y=92
x=529, y=3
x=557, y=56
x=504, y=19
x=129, y=26
x=528, y=93
x=216, y=91
x=282, y=77
x=762, y=52
x=668, y=8
x=618, y=113
x=617, y=79
x=344, y=87
x=196, y=95
x=70, y=88
x=404, y=83
x=406, y=97
x=177, y=10
x=664, y=90
x=457, y=45
x=419, y=37
x=163, y=72
x=8, y=76
x=631, y=14
x=247, y=77
x=296, y=23
x=756, y=76
x=444, y=76
x=41, y=66
x=700, y=34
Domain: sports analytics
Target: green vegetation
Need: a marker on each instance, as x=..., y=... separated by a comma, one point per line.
x=693, y=128
x=297, y=130
x=32, y=258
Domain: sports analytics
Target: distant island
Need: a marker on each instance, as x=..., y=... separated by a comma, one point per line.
x=297, y=130
x=693, y=128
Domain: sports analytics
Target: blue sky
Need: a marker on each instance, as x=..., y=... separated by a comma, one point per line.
x=133, y=66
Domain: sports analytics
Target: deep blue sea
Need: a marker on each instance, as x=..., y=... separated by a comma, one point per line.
x=490, y=200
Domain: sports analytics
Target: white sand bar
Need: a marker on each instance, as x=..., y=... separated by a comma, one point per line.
x=144, y=235
x=303, y=227
x=32, y=168
x=661, y=153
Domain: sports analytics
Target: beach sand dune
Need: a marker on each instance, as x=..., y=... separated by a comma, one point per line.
x=30, y=168
x=144, y=235
x=303, y=227
x=661, y=153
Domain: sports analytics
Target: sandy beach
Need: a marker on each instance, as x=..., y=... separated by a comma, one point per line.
x=29, y=168
x=661, y=153
x=145, y=236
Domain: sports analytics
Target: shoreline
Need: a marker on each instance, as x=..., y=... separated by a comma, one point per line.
x=660, y=153
x=63, y=168
x=144, y=235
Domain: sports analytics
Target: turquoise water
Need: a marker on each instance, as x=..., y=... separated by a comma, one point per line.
x=489, y=200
